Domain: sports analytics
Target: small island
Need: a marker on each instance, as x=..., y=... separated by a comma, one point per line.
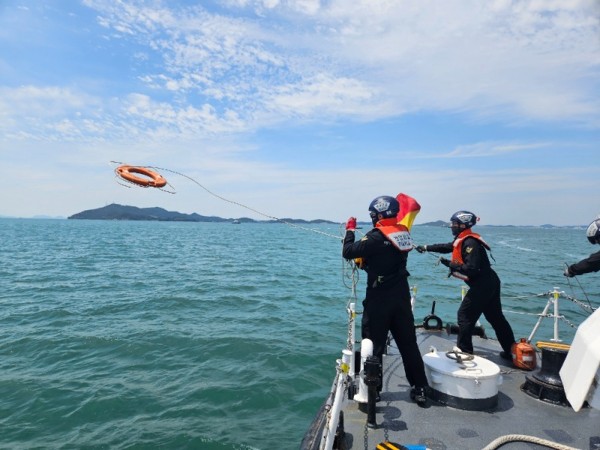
x=124, y=212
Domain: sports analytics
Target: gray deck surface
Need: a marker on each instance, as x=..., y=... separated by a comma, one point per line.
x=441, y=427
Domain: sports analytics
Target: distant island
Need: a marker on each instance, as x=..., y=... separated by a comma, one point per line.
x=443, y=223
x=437, y=223
x=123, y=212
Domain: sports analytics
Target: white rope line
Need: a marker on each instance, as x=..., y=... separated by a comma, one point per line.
x=233, y=202
x=497, y=443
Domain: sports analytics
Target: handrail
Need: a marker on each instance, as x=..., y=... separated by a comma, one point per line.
x=345, y=369
x=553, y=297
x=333, y=414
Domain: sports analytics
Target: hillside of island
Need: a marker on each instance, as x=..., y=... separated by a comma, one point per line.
x=124, y=212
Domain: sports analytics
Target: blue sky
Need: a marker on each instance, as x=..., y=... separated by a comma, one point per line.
x=304, y=108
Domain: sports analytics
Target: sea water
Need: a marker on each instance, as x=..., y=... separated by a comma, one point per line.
x=133, y=335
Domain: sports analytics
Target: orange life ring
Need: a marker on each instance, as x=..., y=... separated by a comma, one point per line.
x=152, y=179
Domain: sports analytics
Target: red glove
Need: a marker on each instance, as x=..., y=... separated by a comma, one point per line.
x=351, y=224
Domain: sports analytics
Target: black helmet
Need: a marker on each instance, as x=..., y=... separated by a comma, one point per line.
x=593, y=232
x=385, y=205
x=461, y=220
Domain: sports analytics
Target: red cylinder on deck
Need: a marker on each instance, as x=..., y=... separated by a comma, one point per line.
x=523, y=355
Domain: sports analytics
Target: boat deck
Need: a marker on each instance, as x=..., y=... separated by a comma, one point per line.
x=436, y=426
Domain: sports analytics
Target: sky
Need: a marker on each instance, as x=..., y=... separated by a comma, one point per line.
x=303, y=108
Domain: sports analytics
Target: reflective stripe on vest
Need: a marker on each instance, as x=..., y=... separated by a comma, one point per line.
x=397, y=234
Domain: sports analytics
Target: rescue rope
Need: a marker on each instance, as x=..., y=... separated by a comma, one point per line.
x=350, y=274
x=499, y=442
x=580, y=287
x=233, y=202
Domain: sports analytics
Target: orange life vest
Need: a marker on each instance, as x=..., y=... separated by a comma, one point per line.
x=397, y=234
x=457, y=250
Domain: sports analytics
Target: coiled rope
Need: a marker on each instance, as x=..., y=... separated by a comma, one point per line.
x=497, y=443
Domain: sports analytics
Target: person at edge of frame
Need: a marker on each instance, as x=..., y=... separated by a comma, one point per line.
x=387, y=304
x=592, y=262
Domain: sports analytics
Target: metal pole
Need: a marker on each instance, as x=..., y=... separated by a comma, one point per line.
x=537, y=325
x=556, y=294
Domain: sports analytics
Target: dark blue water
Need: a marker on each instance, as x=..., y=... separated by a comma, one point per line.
x=214, y=336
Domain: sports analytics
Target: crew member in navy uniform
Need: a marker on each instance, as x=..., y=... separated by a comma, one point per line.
x=387, y=305
x=591, y=263
x=471, y=264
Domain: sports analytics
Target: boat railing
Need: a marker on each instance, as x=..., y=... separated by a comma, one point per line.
x=553, y=297
x=344, y=369
x=551, y=311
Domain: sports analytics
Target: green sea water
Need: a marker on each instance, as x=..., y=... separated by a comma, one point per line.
x=144, y=335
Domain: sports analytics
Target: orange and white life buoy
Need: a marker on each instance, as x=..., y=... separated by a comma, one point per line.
x=149, y=179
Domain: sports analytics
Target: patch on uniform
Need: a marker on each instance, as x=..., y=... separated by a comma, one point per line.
x=469, y=249
x=364, y=238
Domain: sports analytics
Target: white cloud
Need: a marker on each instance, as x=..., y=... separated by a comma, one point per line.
x=488, y=149
x=493, y=57
x=190, y=87
x=527, y=61
x=50, y=112
x=322, y=95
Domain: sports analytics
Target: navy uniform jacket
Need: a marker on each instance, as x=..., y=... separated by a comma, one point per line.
x=590, y=264
x=475, y=258
x=385, y=264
